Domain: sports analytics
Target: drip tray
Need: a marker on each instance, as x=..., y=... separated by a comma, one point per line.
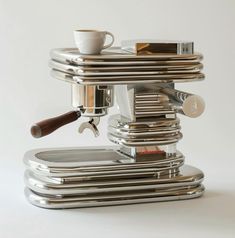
x=100, y=176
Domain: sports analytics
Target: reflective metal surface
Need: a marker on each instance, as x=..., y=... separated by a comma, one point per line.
x=83, y=177
x=92, y=125
x=93, y=101
x=161, y=132
x=118, y=80
x=148, y=47
x=59, y=202
x=93, y=162
x=115, y=56
x=108, y=71
x=183, y=65
x=185, y=103
x=48, y=186
x=146, y=165
x=115, y=66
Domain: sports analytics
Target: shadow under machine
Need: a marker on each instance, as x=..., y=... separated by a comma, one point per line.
x=144, y=165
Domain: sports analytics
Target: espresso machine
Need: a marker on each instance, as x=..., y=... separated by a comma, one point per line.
x=144, y=164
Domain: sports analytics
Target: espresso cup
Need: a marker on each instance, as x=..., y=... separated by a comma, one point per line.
x=91, y=42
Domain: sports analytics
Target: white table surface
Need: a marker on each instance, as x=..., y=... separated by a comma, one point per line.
x=212, y=215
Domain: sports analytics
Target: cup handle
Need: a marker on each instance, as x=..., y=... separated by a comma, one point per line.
x=112, y=36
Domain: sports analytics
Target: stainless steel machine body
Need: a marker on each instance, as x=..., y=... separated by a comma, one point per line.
x=145, y=166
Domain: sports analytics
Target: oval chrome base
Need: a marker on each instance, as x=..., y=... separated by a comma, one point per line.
x=102, y=176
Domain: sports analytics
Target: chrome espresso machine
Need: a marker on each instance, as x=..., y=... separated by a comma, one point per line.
x=144, y=165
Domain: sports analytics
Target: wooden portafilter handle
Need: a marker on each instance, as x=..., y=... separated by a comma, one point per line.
x=47, y=126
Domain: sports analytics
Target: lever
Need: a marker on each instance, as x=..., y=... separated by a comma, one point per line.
x=45, y=127
x=185, y=103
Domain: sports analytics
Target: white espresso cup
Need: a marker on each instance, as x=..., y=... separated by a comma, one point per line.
x=91, y=42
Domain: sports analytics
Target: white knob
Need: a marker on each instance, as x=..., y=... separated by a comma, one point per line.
x=193, y=106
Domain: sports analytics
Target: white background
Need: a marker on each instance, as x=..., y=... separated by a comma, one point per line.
x=29, y=29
